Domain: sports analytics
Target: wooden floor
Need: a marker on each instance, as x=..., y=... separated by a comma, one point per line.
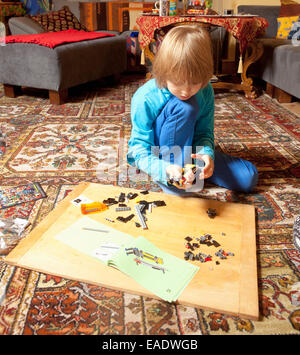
x=293, y=106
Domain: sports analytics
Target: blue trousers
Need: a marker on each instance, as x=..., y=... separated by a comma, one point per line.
x=175, y=127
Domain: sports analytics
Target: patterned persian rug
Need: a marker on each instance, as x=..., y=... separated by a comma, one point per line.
x=60, y=146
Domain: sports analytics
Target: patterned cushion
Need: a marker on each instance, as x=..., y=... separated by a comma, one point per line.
x=60, y=20
x=285, y=25
x=289, y=8
x=295, y=31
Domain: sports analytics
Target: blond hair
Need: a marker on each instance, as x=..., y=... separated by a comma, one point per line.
x=184, y=56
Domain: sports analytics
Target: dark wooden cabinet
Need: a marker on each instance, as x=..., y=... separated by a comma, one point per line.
x=10, y=9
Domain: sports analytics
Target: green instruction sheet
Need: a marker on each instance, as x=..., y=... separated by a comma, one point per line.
x=94, y=238
x=161, y=273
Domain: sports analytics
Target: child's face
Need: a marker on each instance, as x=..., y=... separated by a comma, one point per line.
x=183, y=91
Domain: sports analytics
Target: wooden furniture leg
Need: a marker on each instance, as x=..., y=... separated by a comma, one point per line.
x=58, y=97
x=12, y=90
x=256, y=50
x=270, y=89
x=280, y=95
x=150, y=56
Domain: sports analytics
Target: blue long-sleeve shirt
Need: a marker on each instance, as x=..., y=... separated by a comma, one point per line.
x=146, y=105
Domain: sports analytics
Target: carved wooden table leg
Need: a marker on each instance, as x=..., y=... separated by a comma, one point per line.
x=256, y=50
x=150, y=56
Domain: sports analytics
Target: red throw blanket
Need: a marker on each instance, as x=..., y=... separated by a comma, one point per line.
x=53, y=39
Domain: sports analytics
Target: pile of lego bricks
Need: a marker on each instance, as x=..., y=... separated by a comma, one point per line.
x=208, y=241
x=143, y=206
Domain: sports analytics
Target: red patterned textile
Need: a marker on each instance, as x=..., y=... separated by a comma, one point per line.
x=53, y=39
x=243, y=28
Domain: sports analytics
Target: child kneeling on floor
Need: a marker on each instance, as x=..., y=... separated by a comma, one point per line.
x=173, y=119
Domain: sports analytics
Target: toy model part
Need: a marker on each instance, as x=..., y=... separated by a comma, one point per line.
x=125, y=219
x=110, y=201
x=121, y=197
x=140, y=216
x=211, y=212
x=109, y=219
x=119, y=209
x=94, y=207
x=185, y=170
x=139, y=261
x=131, y=195
x=143, y=255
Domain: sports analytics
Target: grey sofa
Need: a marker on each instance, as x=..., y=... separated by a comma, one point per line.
x=60, y=68
x=279, y=65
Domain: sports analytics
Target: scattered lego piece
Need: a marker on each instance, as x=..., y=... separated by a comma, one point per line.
x=211, y=212
x=122, y=197
x=192, y=257
x=122, y=205
x=190, y=246
x=222, y=254
x=188, y=239
x=145, y=192
x=206, y=239
x=125, y=219
x=216, y=244
x=110, y=220
x=187, y=245
x=110, y=201
x=143, y=206
x=131, y=195
x=140, y=216
x=158, y=203
x=119, y=209
x=137, y=224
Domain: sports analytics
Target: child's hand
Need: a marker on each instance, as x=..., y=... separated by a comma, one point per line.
x=208, y=169
x=175, y=173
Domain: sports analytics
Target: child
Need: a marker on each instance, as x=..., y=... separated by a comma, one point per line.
x=173, y=119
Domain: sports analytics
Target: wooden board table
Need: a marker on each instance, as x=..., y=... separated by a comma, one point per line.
x=230, y=287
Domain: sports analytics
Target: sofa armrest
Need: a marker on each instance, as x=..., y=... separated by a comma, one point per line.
x=23, y=26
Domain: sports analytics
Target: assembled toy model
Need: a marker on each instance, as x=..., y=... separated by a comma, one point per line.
x=185, y=170
x=143, y=255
